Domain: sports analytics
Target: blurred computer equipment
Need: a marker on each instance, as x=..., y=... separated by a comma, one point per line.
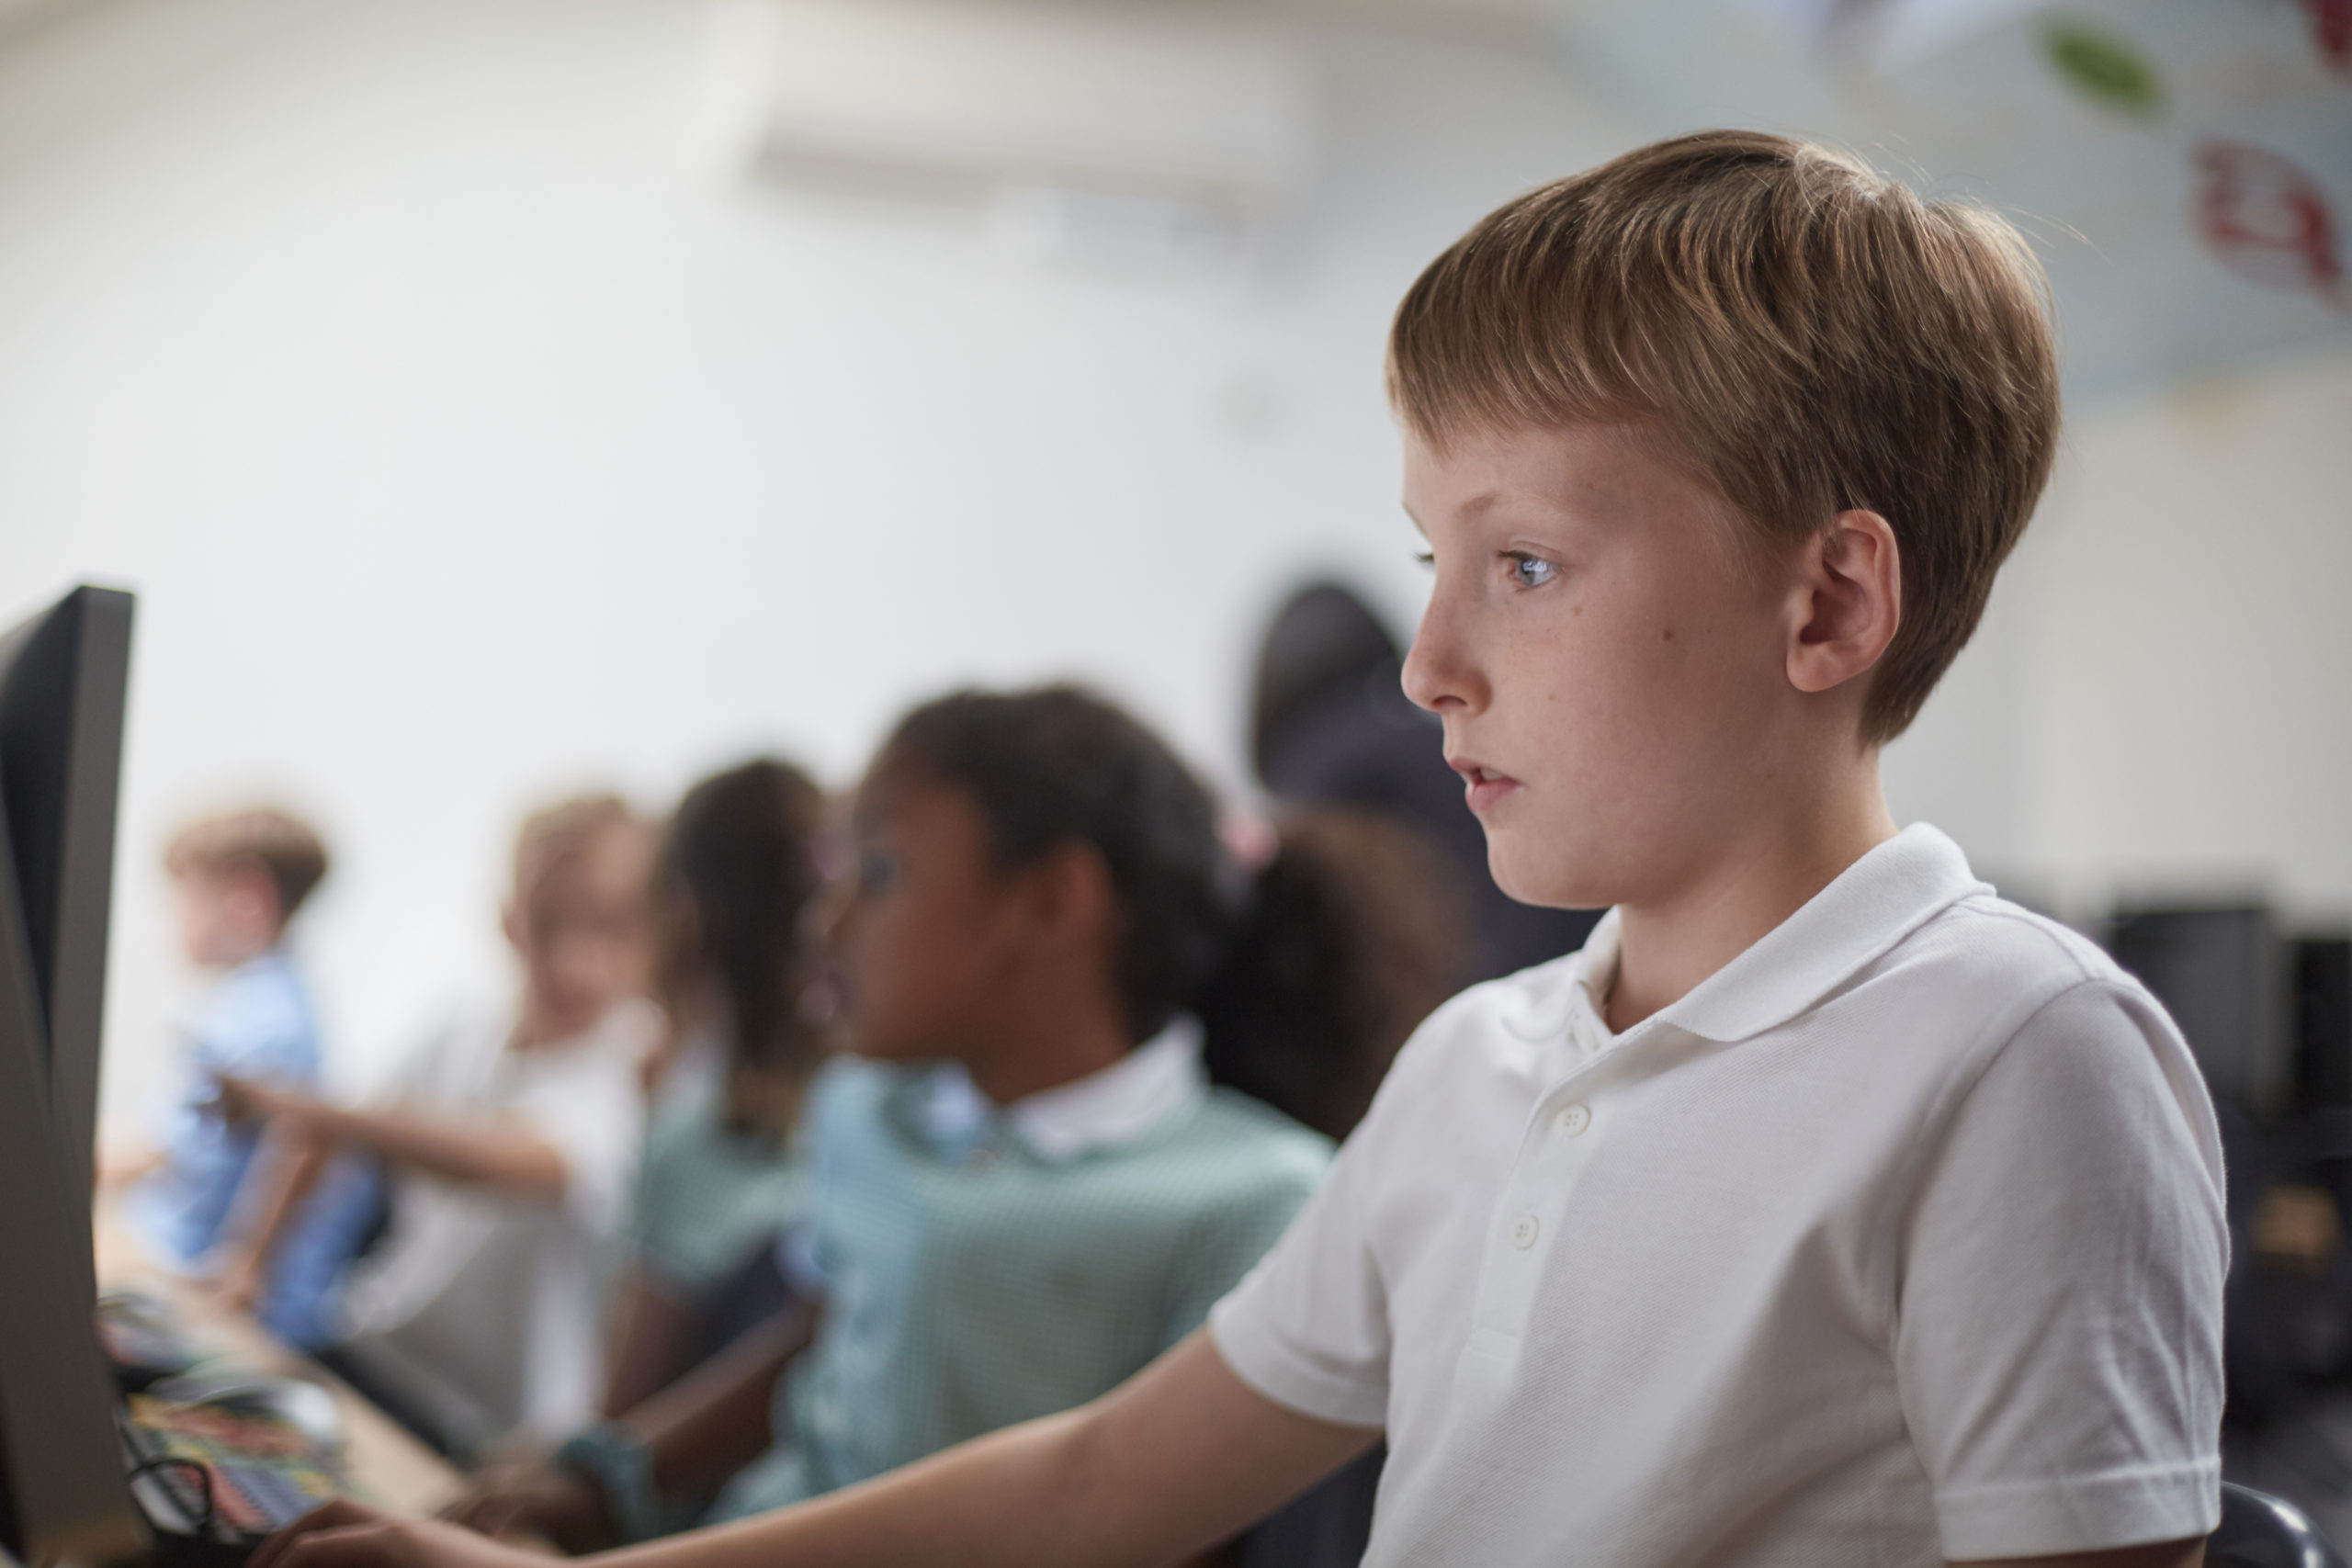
x=63, y=1490
x=62, y=678
x=2322, y=1014
x=2221, y=972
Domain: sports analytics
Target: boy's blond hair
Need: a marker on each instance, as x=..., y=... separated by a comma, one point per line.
x=281, y=845
x=554, y=836
x=1805, y=336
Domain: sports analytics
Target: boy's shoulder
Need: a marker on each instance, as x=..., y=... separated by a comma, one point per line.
x=1996, y=963
x=258, y=1013
x=1983, y=935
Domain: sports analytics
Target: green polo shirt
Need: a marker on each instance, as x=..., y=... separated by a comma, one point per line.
x=980, y=1274
x=708, y=1198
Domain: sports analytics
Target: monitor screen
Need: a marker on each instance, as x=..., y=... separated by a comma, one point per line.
x=61, y=679
x=2220, y=972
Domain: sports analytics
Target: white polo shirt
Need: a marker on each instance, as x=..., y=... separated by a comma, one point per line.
x=1898, y=1240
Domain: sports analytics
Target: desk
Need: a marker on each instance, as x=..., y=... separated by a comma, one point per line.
x=386, y=1466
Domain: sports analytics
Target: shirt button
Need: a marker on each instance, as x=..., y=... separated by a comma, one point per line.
x=1523, y=1232
x=1575, y=1118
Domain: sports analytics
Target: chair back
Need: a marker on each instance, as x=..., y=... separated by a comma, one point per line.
x=2258, y=1530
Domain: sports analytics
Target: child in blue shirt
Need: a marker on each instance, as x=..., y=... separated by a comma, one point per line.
x=238, y=881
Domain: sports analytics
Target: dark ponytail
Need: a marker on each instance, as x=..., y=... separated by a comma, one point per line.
x=1356, y=931
x=1303, y=981
x=732, y=882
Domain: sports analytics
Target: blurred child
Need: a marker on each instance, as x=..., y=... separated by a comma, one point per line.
x=510, y=1139
x=237, y=880
x=732, y=885
x=1026, y=1186
x=1354, y=932
x=1330, y=725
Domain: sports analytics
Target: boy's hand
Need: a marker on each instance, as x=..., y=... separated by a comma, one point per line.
x=345, y=1534
x=542, y=1499
x=239, y=1100
x=238, y=1280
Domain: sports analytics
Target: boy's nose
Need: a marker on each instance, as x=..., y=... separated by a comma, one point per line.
x=1438, y=675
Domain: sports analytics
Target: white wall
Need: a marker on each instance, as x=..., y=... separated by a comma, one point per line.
x=2186, y=725
x=466, y=441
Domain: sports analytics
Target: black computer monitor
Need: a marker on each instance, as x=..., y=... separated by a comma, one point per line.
x=2220, y=970
x=62, y=674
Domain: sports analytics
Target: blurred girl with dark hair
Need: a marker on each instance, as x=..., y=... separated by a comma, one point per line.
x=731, y=890
x=1026, y=1184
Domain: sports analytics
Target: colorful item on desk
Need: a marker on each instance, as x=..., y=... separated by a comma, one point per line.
x=264, y=1472
x=143, y=1341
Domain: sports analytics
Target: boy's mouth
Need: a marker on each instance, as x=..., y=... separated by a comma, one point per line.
x=1482, y=787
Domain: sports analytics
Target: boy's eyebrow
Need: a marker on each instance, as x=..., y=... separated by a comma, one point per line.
x=1467, y=510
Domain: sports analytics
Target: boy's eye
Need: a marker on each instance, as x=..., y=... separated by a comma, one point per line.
x=1530, y=571
x=1425, y=559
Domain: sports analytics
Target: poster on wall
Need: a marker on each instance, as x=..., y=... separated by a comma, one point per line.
x=2184, y=168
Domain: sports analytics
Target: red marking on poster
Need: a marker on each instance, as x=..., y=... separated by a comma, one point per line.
x=2268, y=220
x=2332, y=32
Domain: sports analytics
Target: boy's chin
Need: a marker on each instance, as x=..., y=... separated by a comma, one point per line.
x=1545, y=883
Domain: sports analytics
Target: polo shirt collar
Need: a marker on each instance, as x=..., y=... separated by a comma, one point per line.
x=1158, y=1083
x=1872, y=904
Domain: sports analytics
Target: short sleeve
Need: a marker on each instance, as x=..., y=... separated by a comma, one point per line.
x=424, y=1071
x=2059, y=1330
x=707, y=1199
x=1309, y=1326
x=594, y=1116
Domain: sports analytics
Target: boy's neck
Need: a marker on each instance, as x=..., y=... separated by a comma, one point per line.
x=1752, y=881
x=536, y=1024
x=233, y=957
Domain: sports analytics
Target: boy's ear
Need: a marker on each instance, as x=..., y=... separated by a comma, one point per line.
x=1847, y=601
x=510, y=921
x=1070, y=894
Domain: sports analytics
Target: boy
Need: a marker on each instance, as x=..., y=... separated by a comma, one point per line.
x=510, y=1140
x=1824, y=1209
x=237, y=882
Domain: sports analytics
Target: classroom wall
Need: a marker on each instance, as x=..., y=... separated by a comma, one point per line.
x=2187, y=645
x=468, y=438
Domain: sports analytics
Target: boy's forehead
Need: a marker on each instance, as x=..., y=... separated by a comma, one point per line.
x=1468, y=474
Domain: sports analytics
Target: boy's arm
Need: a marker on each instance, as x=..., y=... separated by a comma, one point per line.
x=282, y=1174
x=1179, y=1458
x=695, y=1433
x=649, y=1336
x=2166, y=1555
x=714, y=1421
x=123, y=1164
x=506, y=1157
